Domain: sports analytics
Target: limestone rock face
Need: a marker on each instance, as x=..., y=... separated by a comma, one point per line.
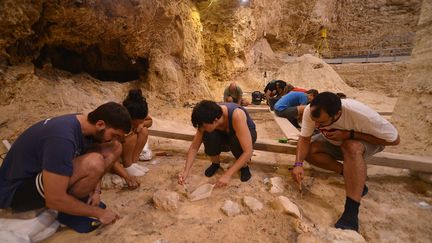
x=412, y=114
x=156, y=41
x=166, y=200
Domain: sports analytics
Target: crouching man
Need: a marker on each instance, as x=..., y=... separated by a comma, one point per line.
x=349, y=132
x=58, y=163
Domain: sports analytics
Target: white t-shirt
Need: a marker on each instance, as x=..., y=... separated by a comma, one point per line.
x=356, y=116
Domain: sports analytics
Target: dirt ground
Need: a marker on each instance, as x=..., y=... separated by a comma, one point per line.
x=391, y=212
x=397, y=208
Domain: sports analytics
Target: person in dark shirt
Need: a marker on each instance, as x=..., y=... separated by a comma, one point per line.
x=58, y=163
x=222, y=127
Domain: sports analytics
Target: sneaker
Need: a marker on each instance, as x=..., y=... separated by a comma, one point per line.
x=245, y=174
x=146, y=154
x=211, y=170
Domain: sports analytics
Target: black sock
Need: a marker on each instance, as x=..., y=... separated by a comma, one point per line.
x=211, y=170
x=349, y=218
x=245, y=174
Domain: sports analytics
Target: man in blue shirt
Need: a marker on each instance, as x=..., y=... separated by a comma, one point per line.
x=290, y=105
x=58, y=163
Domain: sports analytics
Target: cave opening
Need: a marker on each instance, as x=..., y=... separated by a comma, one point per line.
x=108, y=65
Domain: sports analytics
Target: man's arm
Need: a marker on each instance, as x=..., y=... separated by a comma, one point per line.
x=303, y=145
x=192, y=152
x=243, y=135
x=57, y=198
x=120, y=170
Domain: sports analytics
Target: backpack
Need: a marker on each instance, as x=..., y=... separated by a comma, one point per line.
x=257, y=97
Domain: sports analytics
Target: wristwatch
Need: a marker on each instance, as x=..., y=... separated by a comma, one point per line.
x=352, y=134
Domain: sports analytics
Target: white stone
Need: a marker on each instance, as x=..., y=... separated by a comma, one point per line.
x=332, y=235
x=287, y=206
x=276, y=185
x=252, y=203
x=230, y=208
x=166, y=200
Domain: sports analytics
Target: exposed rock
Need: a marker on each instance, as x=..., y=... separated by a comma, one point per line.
x=331, y=235
x=231, y=208
x=412, y=114
x=166, y=200
x=277, y=185
x=287, y=206
x=112, y=181
x=252, y=203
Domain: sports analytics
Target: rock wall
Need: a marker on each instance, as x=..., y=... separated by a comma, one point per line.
x=412, y=114
x=158, y=41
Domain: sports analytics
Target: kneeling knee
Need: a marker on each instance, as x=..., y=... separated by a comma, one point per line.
x=352, y=147
x=95, y=163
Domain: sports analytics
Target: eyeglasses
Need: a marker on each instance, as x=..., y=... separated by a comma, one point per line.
x=326, y=123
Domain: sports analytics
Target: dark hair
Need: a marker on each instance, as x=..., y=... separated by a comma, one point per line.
x=113, y=114
x=136, y=104
x=205, y=111
x=327, y=101
x=341, y=95
x=312, y=91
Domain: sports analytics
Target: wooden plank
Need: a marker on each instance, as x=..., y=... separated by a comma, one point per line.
x=412, y=162
x=405, y=161
x=288, y=129
x=261, y=144
x=255, y=109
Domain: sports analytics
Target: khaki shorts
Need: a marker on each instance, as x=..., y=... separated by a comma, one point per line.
x=336, y=152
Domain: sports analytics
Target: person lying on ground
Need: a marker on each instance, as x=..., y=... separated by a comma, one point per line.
x=222, y=127
x=349, y=132
x=58, y=163
x=135, y=141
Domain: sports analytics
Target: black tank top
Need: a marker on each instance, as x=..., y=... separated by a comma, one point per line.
x=231, y=107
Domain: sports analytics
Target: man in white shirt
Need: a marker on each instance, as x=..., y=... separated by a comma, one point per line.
x=350, y=132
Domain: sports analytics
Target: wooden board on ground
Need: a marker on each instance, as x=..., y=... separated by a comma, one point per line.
x=261, y=144
x=254, y=109
x=288, y=129
x=412, y=162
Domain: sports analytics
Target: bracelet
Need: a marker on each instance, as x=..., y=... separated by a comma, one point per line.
x=352, y=134
x=298, y=164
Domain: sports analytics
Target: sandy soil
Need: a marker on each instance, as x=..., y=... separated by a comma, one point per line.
x=389, y=213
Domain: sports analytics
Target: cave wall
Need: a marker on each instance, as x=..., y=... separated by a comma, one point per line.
x=412, y=114
x=188, y=44
x=230, y=28
x=163, y=33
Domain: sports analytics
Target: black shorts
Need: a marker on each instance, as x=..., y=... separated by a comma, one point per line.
x=219, y=141
x=29, y=195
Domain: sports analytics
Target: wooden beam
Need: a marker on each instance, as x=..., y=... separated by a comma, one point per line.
x=288, y=129
x=255, y=109
x=261, y=144
x=412, y=162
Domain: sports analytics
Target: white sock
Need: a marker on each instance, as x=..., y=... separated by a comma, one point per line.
x=133, y=171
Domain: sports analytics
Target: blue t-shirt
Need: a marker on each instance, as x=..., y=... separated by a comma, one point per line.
x=291, y=99
x=49, y=145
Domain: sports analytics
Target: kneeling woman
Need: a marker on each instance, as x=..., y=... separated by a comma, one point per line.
x=135, y=141
x=222, y=127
